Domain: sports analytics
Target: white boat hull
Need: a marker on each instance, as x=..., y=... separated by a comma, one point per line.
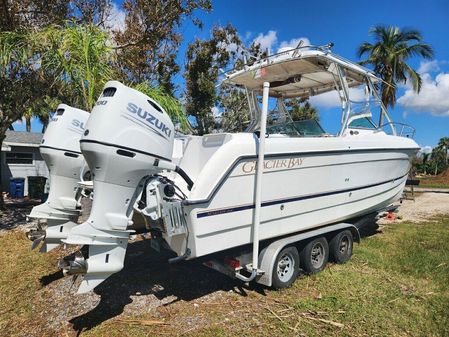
x=300, y=191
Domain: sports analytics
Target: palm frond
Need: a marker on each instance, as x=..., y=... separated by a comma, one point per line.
x=414, y=77
x=170, y=104
x=389, y=55
x=365, y=47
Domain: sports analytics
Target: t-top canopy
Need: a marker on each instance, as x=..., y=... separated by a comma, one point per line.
x=298, y=72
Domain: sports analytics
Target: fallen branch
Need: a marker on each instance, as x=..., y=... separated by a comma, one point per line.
x=275, y=315
x=145, y=322
x=338, y=325
x=394, y=300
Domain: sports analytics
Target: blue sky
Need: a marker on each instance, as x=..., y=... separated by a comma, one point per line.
x=346, y=24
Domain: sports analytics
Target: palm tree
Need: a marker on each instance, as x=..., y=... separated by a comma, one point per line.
x=388, y=56
x=444, y=145
x=170, y=104
x=27, y=115
x=80, y=58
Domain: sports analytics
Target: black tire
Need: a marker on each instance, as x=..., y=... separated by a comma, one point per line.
x=286, y=268
x=340, y=247
x=315, y=255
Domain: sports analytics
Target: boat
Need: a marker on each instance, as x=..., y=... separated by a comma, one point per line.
x=212, y=193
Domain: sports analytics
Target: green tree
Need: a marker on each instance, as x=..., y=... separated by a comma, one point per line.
x=79, y=59
x=70, y=63
x=439, y=159
x=443, y=144
x=27, y=115
x=18, y=80
x=90, y=12
x=388, y=56
x=204, y=60
x=234, y=103
x=32, y=15
x=148, y=46
x=300, y=110
x=170, y=104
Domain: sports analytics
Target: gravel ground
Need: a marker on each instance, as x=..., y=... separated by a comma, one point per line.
x=424, y=208
x=148, y=284
x=15, y=215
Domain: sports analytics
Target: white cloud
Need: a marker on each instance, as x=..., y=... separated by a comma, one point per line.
x=327, y=100
x=331, y=99
x=216, y=112
x=270, y=41
x=229, y=46
x=267, y=41
x=116, y=18
x=426, y=149
x=428, y=66
x=434, y=95
x=293, y=43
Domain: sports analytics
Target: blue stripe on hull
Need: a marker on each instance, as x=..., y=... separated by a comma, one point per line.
x=293, y=199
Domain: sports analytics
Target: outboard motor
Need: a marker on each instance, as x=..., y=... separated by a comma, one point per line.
x=60, y=149
x=128, y=138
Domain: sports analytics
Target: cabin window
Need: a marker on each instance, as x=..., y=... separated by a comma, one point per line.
x=18, y=158
x=309, y=128
x=304, y=128
x=362, y=123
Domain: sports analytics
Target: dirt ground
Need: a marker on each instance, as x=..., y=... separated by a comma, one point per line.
x=148, y=284
x=425, y=207
x=14, y=218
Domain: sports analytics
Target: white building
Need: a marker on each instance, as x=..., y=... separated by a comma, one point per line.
x=20, y=157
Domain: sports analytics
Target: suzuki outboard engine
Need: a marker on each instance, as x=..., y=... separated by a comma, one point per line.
x=128, y=137
x=60, y=149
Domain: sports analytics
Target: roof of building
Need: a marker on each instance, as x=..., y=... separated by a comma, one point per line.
x=22, y=138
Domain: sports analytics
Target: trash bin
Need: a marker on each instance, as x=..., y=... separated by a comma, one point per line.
x=16, y=187
x=36, y=186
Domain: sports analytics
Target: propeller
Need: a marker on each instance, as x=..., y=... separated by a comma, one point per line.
x=37, y=241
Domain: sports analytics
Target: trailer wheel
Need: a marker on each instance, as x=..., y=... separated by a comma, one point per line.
x=286, y=268
x=341, y=246
x=315, y=255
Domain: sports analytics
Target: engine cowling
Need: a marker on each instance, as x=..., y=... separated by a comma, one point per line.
x=60, y=149
x=128, y=137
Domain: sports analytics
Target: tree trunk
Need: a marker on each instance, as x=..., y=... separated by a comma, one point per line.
x=200, y=126
x=2, y=138
x=445, y=154
x=384, y=87
x=28, y=124
x=44, y=125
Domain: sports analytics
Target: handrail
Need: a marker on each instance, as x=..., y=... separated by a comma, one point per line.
x=406, y=130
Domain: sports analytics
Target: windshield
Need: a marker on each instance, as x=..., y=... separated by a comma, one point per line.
x=306, y=128
x=362, y=123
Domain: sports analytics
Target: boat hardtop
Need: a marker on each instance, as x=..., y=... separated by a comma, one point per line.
x=299, y=72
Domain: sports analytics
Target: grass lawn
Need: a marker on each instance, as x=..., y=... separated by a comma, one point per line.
x=396, y=284
x=434, y=182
